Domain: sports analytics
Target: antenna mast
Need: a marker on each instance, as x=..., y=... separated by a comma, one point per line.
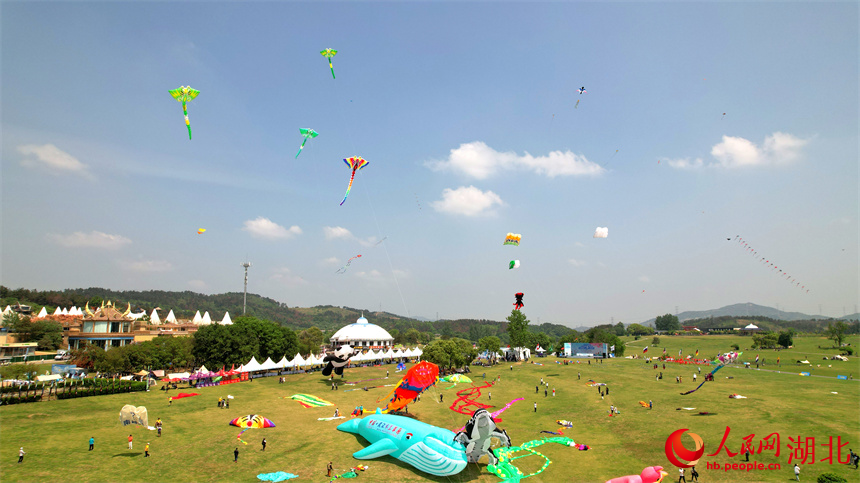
x=245, y=298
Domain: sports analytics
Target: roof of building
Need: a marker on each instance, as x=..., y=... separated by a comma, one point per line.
x=361, y=330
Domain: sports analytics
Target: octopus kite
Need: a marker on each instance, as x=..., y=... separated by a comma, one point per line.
x=355, y=163
x=519, y=302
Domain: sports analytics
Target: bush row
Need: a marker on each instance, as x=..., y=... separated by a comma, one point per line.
x=16, y=400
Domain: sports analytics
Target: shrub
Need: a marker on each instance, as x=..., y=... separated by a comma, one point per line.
x=831, y=478
x=736, y=347
x=656, y=341
x=849, y=351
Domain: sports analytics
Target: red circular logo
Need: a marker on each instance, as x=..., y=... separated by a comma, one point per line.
x=675, y=447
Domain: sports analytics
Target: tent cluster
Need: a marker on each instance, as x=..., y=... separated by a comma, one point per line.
x=317, y=360
x=74, y=311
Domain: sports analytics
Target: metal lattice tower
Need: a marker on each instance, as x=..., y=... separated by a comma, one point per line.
x=245, y=298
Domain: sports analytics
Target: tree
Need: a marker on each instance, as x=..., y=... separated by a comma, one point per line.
x=411, y=336
x=492, y=344
x=765, y=340
x=450, y=353
x=655, y=341
x=619, y=329
x=425, y=337
x=785, y=339
x=447, y=330
x=837, y=332
x=48, y=334
x=395, y=334
x=667, y=322
x=15, y=323
x=310, y=340
x=518, y=329
x=639, y=329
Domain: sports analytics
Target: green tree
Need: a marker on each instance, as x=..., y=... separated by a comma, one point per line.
x=447, y=330
x=20, y=325
x=518, y=329
x=655, y=341
x=310, y=340
x=766, y=340
x=667, y=322
x=619, y=329
x=425, y=337
x=785, y=339
x=394, y=333
x=450, y=353
x=412, y=336
x=836, y=332
x=639, y=329
x=490, y=343
x=47, y=333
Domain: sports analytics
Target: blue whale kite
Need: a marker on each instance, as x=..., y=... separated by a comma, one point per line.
x=429, y=448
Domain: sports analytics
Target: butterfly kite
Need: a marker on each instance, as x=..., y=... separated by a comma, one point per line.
x=185, y=94
x=348, y=262
x=581, y=92
x=355, y=163
x=308, y=134
x=329, y=53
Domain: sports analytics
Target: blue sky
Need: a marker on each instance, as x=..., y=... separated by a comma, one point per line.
x=467, y=114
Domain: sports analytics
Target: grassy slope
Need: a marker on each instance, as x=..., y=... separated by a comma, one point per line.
x=197, y=444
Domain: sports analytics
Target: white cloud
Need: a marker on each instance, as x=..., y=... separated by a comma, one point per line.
x=330, y=261
x=147, y=266
x=93, y=239
x=644, y=279
x=737, y=152
x=50, y=157
x=197, y=284
x=480, y=161
x=685, y=163
x=468, y=201
x=267, y=229
x=286, y=277
x=332, y=232
x=371, y=276
x=577, y=263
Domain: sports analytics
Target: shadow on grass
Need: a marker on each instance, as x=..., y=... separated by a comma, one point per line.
x=126, y=455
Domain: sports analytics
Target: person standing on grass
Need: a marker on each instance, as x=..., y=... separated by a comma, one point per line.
x=695, y=474
x=545, y=392
x=129, y=441
x=328, y=469
x=796, y=472
x=535, y=407
x=146, y=450
x=236, y=454
x=21, y=454
x=650, y=404
x=264, y=445
x=92, y=442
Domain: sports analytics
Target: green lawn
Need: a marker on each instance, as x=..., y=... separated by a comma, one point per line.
x=197, y=443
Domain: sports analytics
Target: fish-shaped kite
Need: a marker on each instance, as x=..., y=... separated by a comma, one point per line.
x=355, y=163
x=329, y=53
x=185, y=94
x=308, y=133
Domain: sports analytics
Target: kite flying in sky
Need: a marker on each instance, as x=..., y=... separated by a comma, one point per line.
x=355, y=163
x=308, y=134
x=348, y=262
x=581, y=92
x=752, y=251
x=200, y=231
x=514, y=264
x=185, y=94
x=329, y=53
x=513, y=239
x=519, y=302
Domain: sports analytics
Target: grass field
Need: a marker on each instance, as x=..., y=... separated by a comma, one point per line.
x=197, y=442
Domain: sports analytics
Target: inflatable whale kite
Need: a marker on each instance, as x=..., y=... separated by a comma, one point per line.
x=429, y=448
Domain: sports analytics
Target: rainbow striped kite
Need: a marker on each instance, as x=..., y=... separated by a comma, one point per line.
x=355, y=163
x=309, y=401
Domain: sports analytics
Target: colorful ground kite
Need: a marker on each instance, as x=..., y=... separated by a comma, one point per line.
x=355, y=163
x=706, y=380
x=513, y=239
x=185, y=94
x=252, y=421
x=508, y=472
x=466, y=403
x=456, y=378
x=416, y=380
x=183, y=394
x=651, y=474
x=200, y=231
x=518, y=304
x=308, y=134
x=601, y=232
x=495, y=414
x=513, y=264
x=348, y=262
x=309, y=401
x=277, y=476
x=329, y=53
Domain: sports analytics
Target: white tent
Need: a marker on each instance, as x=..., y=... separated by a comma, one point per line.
x=136, y=316
x=409, y=353
x=750, y=327
x=7, y=310
x=42, y=313
x=153, y=318
x=197, y=318
x=398, y=354
x=226, y=320
x=251, y=366
x=418, y=352
x=203, y=368
x=283, y=362
x=268, y=364
x=389, y=354
x=75, y=311
x=64, y=312
x=357, y=357
x=206, y=319
x=298, y=361
x=171, y=319
x=57, y=311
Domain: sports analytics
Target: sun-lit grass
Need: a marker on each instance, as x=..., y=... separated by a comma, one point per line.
x=197, y=443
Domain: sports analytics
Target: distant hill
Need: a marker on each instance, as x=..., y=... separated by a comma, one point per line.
x=742, y=310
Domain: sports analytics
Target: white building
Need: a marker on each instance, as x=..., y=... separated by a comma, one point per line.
x=363, y=335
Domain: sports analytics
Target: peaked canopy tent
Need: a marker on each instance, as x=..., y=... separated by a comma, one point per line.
x=226, y=320
x=153, y=318
x=171, y=318
x=197, y=318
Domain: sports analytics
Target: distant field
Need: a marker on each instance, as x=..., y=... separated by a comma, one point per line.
x=198, y=443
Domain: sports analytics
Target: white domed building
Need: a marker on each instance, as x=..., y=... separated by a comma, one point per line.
x=363, y=335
